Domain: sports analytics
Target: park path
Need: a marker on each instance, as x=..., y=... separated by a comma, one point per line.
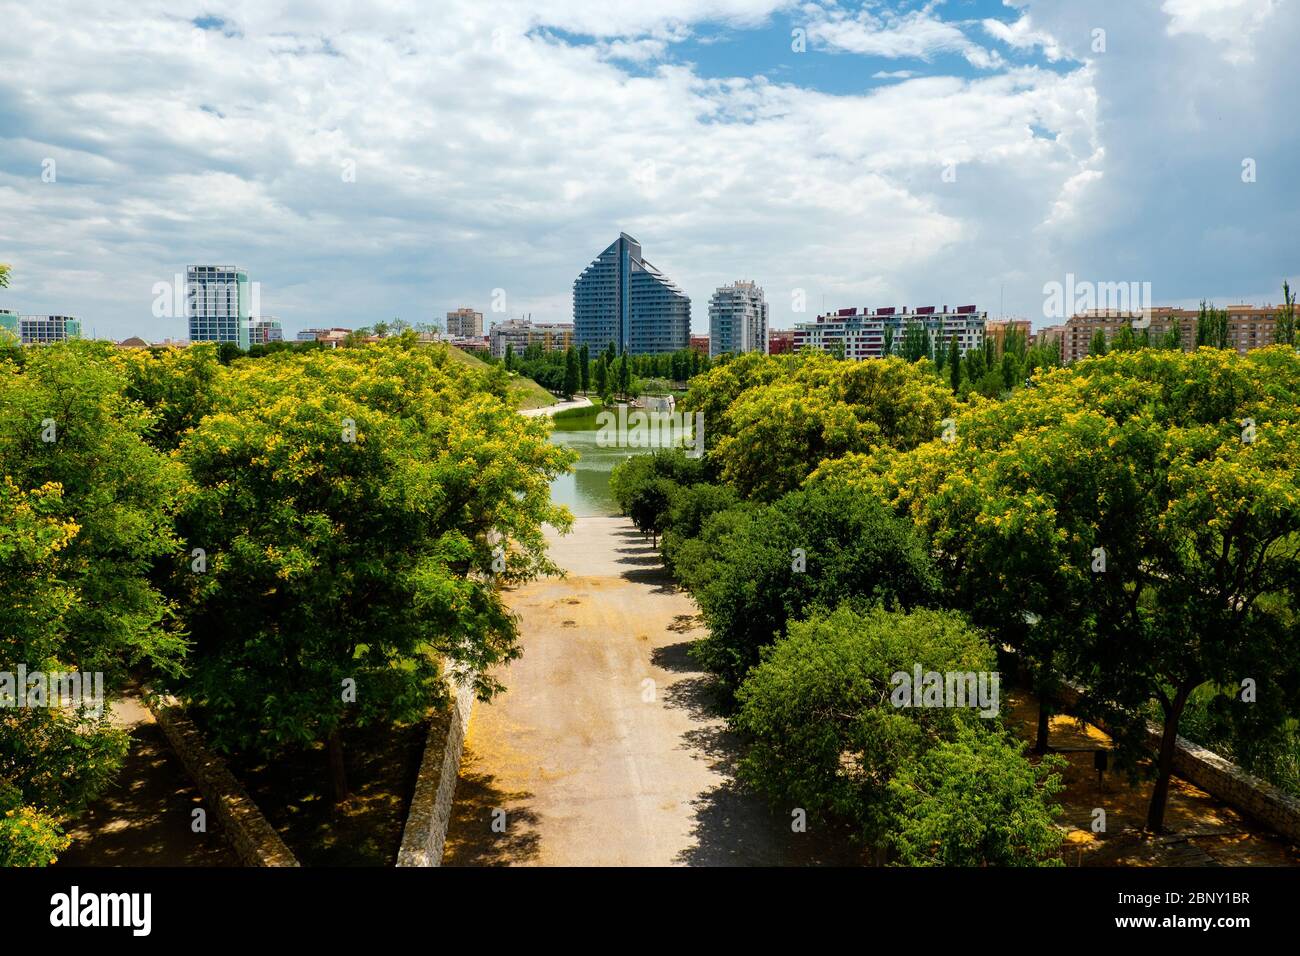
x=605, y=750
x=580, y=402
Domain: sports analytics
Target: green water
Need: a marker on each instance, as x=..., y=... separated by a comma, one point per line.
x=585, y=491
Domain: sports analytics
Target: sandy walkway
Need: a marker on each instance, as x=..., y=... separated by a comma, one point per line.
x=604, y=749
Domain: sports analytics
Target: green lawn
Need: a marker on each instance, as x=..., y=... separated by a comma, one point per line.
x=526, y=392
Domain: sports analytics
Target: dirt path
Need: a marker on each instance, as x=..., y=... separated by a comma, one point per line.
x=605, y=749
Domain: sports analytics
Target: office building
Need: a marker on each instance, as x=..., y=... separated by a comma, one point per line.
x=621, y=298
x=217, y=303
x=737, y=319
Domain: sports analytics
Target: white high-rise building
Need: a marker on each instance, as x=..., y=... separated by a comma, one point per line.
x=738, y=319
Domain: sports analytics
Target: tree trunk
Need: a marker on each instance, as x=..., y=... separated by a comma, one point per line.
x=1044, y=725
x=1165, y=760
x=338, y=772
x=1044, y=691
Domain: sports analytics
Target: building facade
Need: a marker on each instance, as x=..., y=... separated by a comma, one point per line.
x=738, y=319
x=861, y=333
x=700, y=343
x=218, y=304
x=622, y=298
x=1249, y=327
x=518, y=334
x=39, y=329
x=465, y=324
x=265, y=329
x=780, y=341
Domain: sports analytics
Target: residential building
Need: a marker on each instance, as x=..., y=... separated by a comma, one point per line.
x=780, y=341
x=738, y=319
x=1249, y=327
x=465, y=324
x=331, y=337
x=39, y=329
x=479, y=344
x=217, y=303
x=520, y=333
x=621, y=298
x=700, y=343
x=264, y=329
x=861, y=334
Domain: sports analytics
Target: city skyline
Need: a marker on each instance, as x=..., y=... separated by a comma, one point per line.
x=876, y=164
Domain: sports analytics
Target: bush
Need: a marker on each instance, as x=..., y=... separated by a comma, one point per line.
x=825, y=737
x=852, y=548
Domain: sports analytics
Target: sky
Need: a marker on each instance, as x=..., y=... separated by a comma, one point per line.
x=371, y=160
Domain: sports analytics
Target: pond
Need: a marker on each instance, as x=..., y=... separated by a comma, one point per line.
x=585, y=491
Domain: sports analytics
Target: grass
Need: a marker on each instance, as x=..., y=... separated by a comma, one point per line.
x=526, y=392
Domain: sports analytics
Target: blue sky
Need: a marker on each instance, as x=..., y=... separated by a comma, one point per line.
x=370, y=160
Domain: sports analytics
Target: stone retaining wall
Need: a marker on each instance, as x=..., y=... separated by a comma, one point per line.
x=253, y=838
x=430, y=813
x=1222, y=778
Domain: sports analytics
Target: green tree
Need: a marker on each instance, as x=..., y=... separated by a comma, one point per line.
x=810, y=548
x=889, y=342
x=1132, y=523
x=1173, y=337
x=584, y=366
x=1212, y=327
x=954, y=365
x=4, y=275
x=84, y=519
x=974, y=800
x=572, y=374
x=358, y=510
x=1284, y=329
x=1098, y=344
x=826, y=737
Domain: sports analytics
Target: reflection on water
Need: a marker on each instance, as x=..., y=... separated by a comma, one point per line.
x=586, y=490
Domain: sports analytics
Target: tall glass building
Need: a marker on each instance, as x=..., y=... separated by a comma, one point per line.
x=217, y=304
x=738, y=319
x=622, y=298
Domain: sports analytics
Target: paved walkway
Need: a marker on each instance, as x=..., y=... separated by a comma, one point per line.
x=581, y=402
x=605, y=750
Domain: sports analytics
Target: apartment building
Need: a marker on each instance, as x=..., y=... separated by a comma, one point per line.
x=738, y=316
x=861, y=334
x=39, y=329
x=465, y=323
x=1249, y=327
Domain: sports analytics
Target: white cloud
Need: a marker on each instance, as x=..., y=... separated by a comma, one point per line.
x=1023, y=36
x=1232, y=23
x=491, y=152
x=917, y=33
